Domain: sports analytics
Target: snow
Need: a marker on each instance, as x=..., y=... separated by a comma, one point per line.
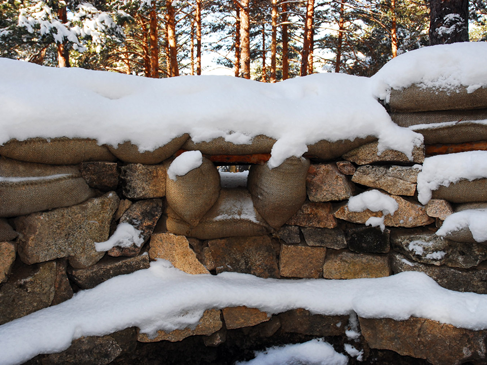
x=232, y=180
x=353, y=352
x=237, y=208
x=376, y=222
x=418, y=247
x=124, y=236
x=113, y=108
x=314, y=352
x=419, y=127
x=373, y=200
x=443, y=170
x=163, y=297
x=443, y=67
x=472, y=219
x=12, y=179
x=184, y=163
x=437, y=255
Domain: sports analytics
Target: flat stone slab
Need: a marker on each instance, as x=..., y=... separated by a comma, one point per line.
x=303, y=322
x=325, y=183
x=396, y=180
x=318, y=215
x=348, y=265
x=289, y=234
x=368, y=154
x=301, y=261
x=439, y=208
x=100, y=175
x=368, y=240
x=143, y=181
x=330, y=238
x=239, y=317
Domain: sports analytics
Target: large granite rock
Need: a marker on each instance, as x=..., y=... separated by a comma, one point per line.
x=7, y=259
x=348, y=265
x=439, y=208
x=318, y=215
x=301, y=261
x=143, y=182
x=100, y=175
x=67, y=232
x=325, y=182
x=239, y=317
x=303, y=322
x=368, y=154
x=368, y=240
x=464, y=191
x=346, y=167
x=422, y=338
x=331, y=238
x=396, y=180
x=289, y=234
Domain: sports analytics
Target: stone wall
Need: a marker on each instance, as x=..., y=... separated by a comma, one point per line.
x=61, y=196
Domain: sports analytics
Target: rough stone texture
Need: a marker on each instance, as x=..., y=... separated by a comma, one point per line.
x=301, y=261
x=346, y=167
x=396, y=180
x=348, y=265
x=252, y=255
x=216, y=339
x=265, y=329
x=368, y=240
x=367, y=154
x=422, y=245
x=453, y=279
x=7, y=233
x=176, y=249
x=7, y=259
x=107, y=268
x=62, y=287
x=28, y=289
x=67, y=232
x=408, y=215
x=422, y=338
x=122, y=208
x=463, y=191
x=100, y=175
x=303, y=322
x=326, y=150
x=143, y=182
x=289, y=234
x=238, y=317
x=325, y=183
x=208, y=324
x=331, y=238
x=143, y=215
x=318, y=215
x=439, y=208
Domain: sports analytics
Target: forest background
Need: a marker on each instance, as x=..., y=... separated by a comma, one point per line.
x=266, y=40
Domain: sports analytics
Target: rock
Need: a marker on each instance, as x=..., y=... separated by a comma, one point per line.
x=122, y=208
x=252, y=255
x=422, y=338
x=67, y=232
x=447, y=277
x=143, y=215
x=331, y=238
x=107, y=268
x=368, y=240
x=216, y=339
x=7, y=259
x=303, y=322
x=348, y=265
x=325, y=183
x=318, y=215
x=346, y=167
x=198, y=247
x=301, y=261
x=439, y=208
x=326, y=150
x=464, y=191
x=27, y=290
x=289, y=234
x=368, y=154
x=263, y=330
x=143, y=182
x=238, y=317
x=208, y=324
x=62, y=287
x=176, y=249
x=409, y=215
x=396, y=180
x=7, y=233
x=100, y=175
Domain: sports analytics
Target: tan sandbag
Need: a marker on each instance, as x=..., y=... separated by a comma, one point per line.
x=128, y=152
x=278, y=193
x=172, y=223
x=442, y=116
x=218, y=146
x=27, y=187
x=463, y=132
x=464, y=191
x=418, y=99
x=193, y=194
x=56, y=151
x=325, y=150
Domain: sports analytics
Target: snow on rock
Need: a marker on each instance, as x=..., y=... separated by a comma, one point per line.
x=184, y=163
x=472, y=219
x=353, y=352
x=444, y=67
x=373, y=200
x=443, y=170
x=113, y=108
x=165, y=298
x=314, y=352
x=124, y=236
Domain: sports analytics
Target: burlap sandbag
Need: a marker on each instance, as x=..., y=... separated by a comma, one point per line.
x=192, y=195
x=463, y=191
x=27, y=187
x=128, y=152
x=442, y=116
x=218, y=146
x=418, y=99
x=457, y=133
x=56, y=151
x=173, y=224
x=278, y=193
x=325, y=150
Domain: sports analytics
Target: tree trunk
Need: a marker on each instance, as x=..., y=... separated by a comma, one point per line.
x=237, y=42
x=127, y=60
x=154, y=43
x=245, y=39
x=311, y=49
x=62, y=50
x=394, y=43
x=285, y=43
x=168, y=52
x=274, y=42
x=448, y=21
x=192, y=47
x=198, y=37
x=171, y=35
x=341, y=29
x=145, y=48
x=308, y=28
x=264, y=69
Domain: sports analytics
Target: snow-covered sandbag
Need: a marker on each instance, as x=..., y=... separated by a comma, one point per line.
x=465, y=226
x=27, y=187
x=463, y=191
x=436, y=117
x=239, y=145
x=278, y=193
x=56, y=151
x=194, y=193
x=453, y=132
x=325, y=150
x=128, y=152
